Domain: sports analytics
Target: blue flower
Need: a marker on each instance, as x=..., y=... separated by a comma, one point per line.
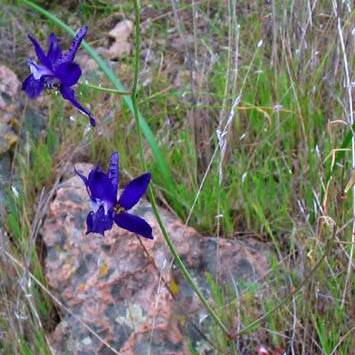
x=56, y=70
x=102, y=188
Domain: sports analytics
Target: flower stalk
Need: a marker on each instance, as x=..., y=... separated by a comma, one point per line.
x=165, y=234
x=107, y=90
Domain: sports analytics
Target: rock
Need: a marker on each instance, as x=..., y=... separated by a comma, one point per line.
x=7, y=137
x=122, y=30
x=35, y=122
x=9, y=85
x=120, y=33
x=114, y=287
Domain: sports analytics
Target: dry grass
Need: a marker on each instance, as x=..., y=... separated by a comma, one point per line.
x=256, y=135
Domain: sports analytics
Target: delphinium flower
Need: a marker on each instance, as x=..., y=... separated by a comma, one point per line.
x=56, y=70
x=106, y=208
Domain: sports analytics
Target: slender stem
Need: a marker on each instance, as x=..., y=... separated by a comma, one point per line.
x=182, y=266
x=168, y=240
x=173, y=296
x=100, y=88
x=135, y=80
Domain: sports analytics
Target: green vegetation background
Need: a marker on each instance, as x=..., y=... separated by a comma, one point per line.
x=279, y=173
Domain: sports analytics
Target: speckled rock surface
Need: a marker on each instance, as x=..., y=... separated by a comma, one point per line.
x=112, y=286
x=9, y=87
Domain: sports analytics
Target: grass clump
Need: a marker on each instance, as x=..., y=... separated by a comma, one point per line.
x=282, y=178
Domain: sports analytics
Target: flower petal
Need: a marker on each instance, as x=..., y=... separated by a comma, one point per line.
x=39, y=52
x=69, y=56
x=83, y=178
x=32, y=87
x=38, y=71
x=133, y=224
x=68, y=94
x=99, y=222
x=113, y=170
x=68, y=73
x=54, y=49
x=101, y=187
x=134, y=191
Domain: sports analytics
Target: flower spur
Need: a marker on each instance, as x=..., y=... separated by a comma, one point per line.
x=106, y=208
x=56, y=70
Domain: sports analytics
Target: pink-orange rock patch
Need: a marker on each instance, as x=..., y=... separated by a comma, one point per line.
x=116, y=289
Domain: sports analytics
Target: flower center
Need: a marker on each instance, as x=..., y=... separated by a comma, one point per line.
x=118, y=209
x=52, y=83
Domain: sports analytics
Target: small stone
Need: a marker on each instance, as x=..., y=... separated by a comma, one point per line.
x=120, y=33
x=122, y=30
x=87, y=341
x=9, y=85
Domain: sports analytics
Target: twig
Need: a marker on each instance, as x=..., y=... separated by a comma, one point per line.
x=103, y=89
x=341, y=340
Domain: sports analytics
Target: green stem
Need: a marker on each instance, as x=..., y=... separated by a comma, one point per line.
x=108, y=90
x=182, y=266
x=168, y=240
x=135, y=80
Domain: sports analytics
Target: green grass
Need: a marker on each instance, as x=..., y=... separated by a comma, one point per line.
x=278, y=179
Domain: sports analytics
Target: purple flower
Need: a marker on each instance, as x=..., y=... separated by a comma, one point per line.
x=102, y=188
x=56, y=70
